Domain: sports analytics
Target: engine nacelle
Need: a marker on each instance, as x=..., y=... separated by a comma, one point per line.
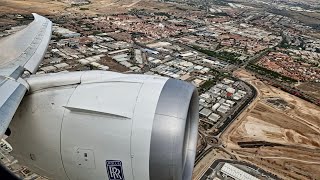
x=106, y=125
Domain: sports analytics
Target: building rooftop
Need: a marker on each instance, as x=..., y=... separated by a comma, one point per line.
x=236, y=173
x=214, y=117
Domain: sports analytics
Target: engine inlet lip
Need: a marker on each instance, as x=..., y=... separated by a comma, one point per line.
x=174, y=132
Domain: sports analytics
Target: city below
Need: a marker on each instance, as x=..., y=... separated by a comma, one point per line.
x=255, y=63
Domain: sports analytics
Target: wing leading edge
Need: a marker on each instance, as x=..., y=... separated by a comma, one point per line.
x=20, y=52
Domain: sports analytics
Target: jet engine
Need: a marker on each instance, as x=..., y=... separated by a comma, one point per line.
x=106, y=125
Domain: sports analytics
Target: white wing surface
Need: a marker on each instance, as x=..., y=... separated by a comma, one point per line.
x=20, y=52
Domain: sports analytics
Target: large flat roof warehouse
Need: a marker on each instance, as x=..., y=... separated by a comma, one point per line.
x=186, y=54
x=236, y=173
x=65, y=32
x=205, y=112
x=214, y=117
x=159, y=44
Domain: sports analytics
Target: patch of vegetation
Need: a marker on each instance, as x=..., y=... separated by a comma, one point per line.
x=315, y=26
x=133, y=10
x=80, y=4
x=96, y=32
x=218, y=76
x=220, y=2
x=225, y=56
x=207, y=85
x=191, y=4
x=91, y=67
x=221, y=14
x=284, y=43
x=162, y=14
x=180, y=8
x=84, y=8
x=269, y=73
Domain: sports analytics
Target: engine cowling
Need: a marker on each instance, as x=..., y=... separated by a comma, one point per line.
x=106, y=125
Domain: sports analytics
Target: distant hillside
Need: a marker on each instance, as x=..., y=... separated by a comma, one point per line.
x=74, y=6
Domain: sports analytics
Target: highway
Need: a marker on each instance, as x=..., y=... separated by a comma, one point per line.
x=203, y=154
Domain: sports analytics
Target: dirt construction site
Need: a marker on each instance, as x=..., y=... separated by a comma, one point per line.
x=278, y=132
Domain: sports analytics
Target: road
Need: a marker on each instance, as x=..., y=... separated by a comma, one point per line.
x=132, y=4
x=202, y=136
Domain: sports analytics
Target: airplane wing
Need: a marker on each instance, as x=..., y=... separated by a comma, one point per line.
x=20, y=52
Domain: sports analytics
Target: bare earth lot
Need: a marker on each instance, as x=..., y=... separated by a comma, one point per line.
x=295, y=128
x=312, y=89
x=30, y=6
x=59, y=7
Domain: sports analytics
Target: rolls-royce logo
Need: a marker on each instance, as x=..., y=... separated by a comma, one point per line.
x=114, y=169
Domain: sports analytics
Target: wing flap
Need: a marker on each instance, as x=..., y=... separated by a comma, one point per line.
x=12, y=93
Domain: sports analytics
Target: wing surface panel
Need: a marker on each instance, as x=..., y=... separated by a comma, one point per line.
x=20, y=52
x=27, y=47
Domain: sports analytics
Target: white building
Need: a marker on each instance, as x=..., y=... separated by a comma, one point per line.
x=223, y=109
x=205, y=112
x=214, y=117
x=236, y=173
x=215, y=106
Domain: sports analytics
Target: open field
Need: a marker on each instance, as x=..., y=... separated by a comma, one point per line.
x=47, y=7
x=62, y=7
x=312, y=89
x=265, y=123
x=292, y=124
x=30, y=6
